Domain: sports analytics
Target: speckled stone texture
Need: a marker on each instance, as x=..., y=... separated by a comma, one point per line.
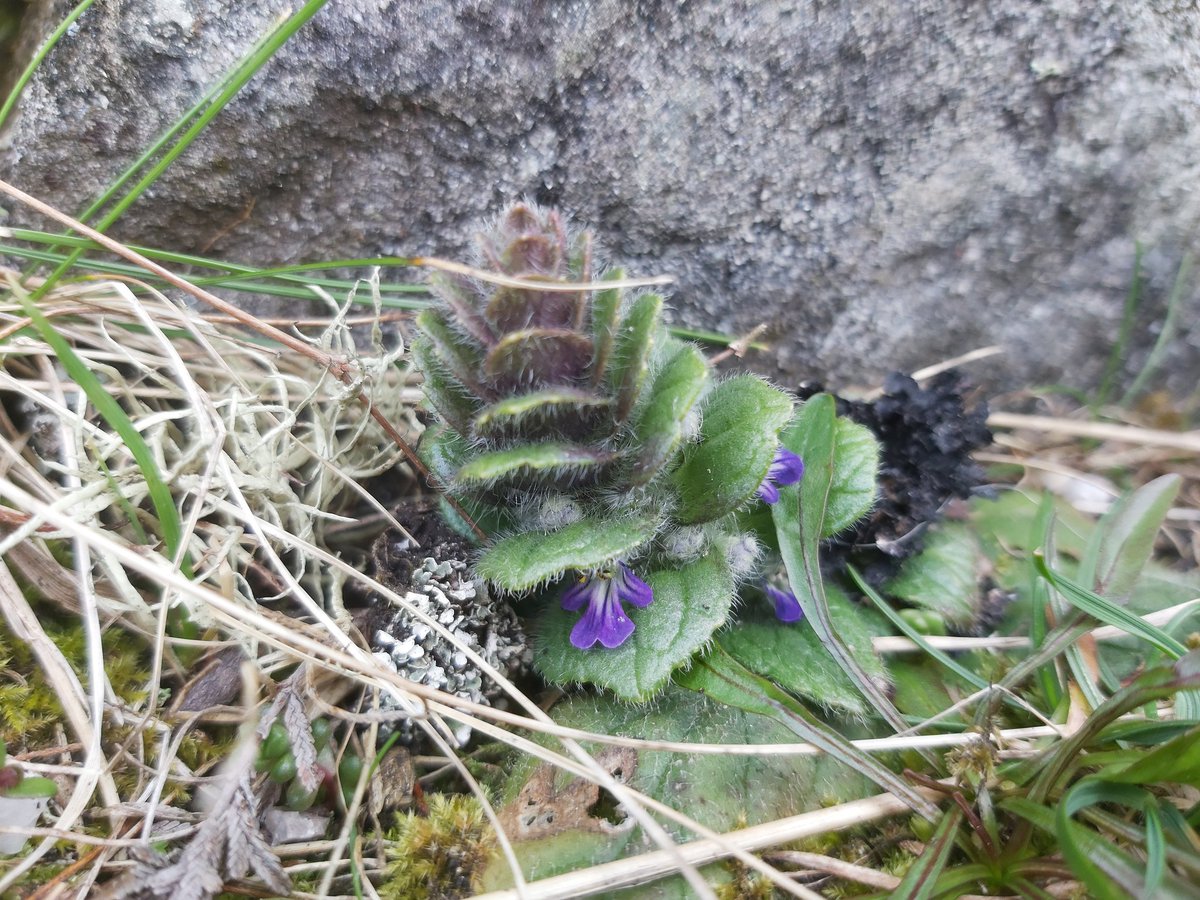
x=886, y=184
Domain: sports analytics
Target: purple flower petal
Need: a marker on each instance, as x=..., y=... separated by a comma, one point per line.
x=767, y=492
x=578, y=594
x=604, y=620
x=787, y=607
x=632, y=589
x=788, y=468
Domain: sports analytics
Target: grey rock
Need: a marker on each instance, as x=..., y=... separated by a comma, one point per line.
x=885, y=184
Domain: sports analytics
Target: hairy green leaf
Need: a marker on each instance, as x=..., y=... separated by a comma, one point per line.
x=690, y=603
x=799, y=517
x=724, y=679
x=543, y=463
x=852, y=491
x=461, y=356
x=739, y=435
x=526, y=560
x=559, y=409
x=794, y=657
x=659, y=429
x=555, y=824
x=445, y=393
x=606, y=312
x=634, y=339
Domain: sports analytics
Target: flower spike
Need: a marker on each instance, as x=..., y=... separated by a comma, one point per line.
x=787, y=607
x=604, y=618
x=787, y=468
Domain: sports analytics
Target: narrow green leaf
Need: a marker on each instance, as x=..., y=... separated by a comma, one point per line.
x=739, y=436
x=10, y=102
x=690, y=603
x=606, y=312
x=1128, y=534
x=443, y=450
x=554, y=410
x=1109, y=613
x=548, y=462
x=792, y=656
x=799, y=516
x=1108, y=873
x=659, y=429
x=230, y=85
x=461, y=356
x=724, y=679
x=634, y=339
x=115, y=417
x=1077, y=844
x=445, y=393
x=526, y=560
x=1177, y=760
x=932, y=652
x=944, y=576
x=921, y=878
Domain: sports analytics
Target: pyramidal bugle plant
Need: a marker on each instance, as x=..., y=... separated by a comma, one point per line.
x=610, y=468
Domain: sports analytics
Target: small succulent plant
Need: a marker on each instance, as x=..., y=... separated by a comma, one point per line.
x=603, y=459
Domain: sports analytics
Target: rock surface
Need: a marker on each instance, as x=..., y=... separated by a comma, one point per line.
x=885, y=184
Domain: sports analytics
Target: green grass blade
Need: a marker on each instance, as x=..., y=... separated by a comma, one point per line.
x=922, y=876
x=1120, y=349
x=1108, y=612
x=1166, y=335
x=884, y=607
x=110, y=410
x=42, y=52
x=246, y=70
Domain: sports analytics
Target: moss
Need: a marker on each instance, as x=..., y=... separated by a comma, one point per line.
x=439, y=855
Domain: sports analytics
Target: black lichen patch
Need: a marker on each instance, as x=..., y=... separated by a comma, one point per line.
x=926, y=438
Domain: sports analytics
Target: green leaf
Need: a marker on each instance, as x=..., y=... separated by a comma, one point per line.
x=920, y=879
x=554, y=819
x=1106, y=871
x=549, y=462
x=452, y=401
x=32, y=787
x=1128, y=534
x=606, y=312
x=526, y=560
x=659, y=429
x=1177, y=760
x=690, y=603
x=1108, y=612
x=561, y=408
x=739, y=435
x=462, y=357
x=116, y=418
x=799, y=516
x=721, y=677
x=794, y=657
x=632, y=343
x=943, y=577
x=443, y=450
x=852, y=492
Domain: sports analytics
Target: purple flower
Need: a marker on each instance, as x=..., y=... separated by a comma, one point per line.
x=604, y=620
x=787, y=607
x=787, y=468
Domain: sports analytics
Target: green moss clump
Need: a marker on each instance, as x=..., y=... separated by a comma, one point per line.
x=440, y=855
